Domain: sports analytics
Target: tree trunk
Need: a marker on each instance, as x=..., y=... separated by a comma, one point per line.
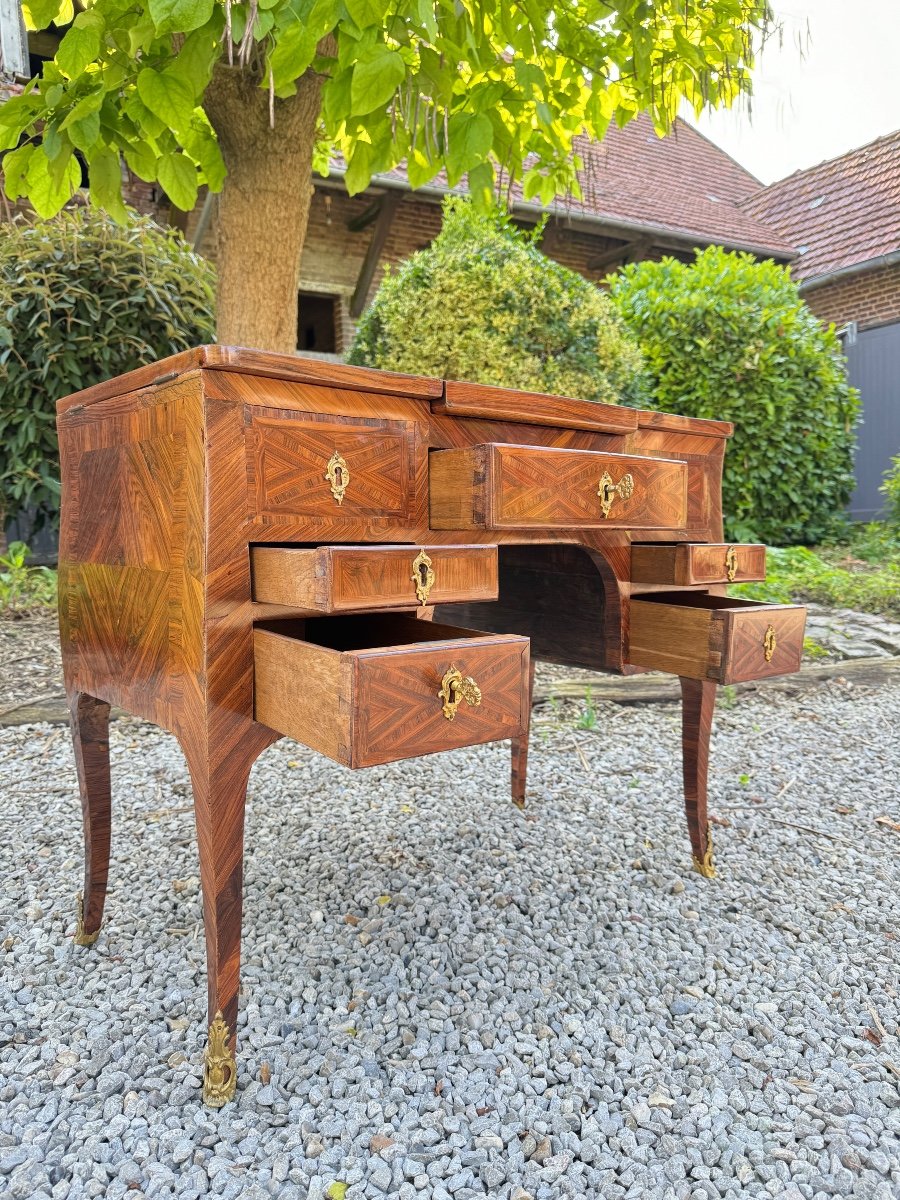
x=264, y=206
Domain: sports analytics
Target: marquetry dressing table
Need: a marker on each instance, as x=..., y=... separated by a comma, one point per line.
x=256, y=545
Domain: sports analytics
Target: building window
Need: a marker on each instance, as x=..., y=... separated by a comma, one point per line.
x=317, y=320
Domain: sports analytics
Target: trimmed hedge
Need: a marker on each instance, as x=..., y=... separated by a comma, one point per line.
x=730, y=337
x=81, y=300
x=483, y=303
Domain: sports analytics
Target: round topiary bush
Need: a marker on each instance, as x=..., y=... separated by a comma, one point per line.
x=729, y=337
x=483, y=303
x=83, y=299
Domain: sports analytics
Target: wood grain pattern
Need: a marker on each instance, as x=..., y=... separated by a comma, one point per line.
x=698, y=701
x=717, y=638
x=178, y=475
x=684, y=564
x=90, y=737
x=533, y=408
x=530, y=487
x=366, y=692
x=519, y=749
x=287, y=457
x=335, y=579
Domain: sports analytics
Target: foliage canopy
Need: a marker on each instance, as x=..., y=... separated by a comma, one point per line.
x=494, y=89
x=81, y=300
x=483, y=303
x=729, y=337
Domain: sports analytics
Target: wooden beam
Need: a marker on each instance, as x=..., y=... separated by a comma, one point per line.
x=632, y=251
x=360, y=222
x=389, y=202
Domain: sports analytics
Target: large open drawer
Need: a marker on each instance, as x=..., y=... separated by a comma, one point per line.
x=367, y=689
x=334, y=579
x=498, y=486
x=715, y=637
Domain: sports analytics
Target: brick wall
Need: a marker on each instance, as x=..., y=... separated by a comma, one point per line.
x=870, y=298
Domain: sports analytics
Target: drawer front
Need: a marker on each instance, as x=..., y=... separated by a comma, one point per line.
x=532, y=487
x=399, y=713
x=334, y=579
x=761, y=644
x=716, y=638
x=370, y=690
x=681, y=564
x=343, y=469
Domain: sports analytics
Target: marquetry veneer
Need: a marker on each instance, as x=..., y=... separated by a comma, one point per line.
x=255, y=545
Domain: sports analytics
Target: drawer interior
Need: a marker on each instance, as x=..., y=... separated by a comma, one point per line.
x=699, y=600
x=366, y=632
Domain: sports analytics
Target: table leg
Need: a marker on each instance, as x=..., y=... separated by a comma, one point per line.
x=520, y=748
x=90, y=736
x=698, y=700
x=219, y=780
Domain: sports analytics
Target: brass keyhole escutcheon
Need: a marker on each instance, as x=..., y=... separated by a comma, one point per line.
x=769, y=643
x=338, y=475
x=731, y=563
x=422, y=576
x=456, y=687
x=607, y=490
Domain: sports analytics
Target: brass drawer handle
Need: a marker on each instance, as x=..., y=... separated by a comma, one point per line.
x=607, y=491
x=769, y=643
x=456, y=687
x=731, y=563
x=338, y=475
x=422, y=576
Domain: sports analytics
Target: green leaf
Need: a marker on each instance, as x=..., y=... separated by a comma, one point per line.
x=294, y=50
x=88, y=104
x=15, y=170
x=105, y=174
x=178, y=177
x=375, y=79
x=195, y=59
x=79, y=47
x=364, y=13
x=84, y=133
x=168, y=97
x=180, y=16
x=142, y=160
x=359, y=169
x=200, y=143
x=39, y=14
x=49, y=187
x=470, y=141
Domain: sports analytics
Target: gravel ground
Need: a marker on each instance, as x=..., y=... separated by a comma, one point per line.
x=443, y=998
x=30, y=662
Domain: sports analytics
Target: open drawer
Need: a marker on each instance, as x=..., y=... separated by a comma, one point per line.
x=371, y=689
x=334, y=579
x=499, y=486
x=714, y=637
x=681, y=564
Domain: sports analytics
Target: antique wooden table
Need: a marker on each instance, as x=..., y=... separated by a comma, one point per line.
x=256, y=545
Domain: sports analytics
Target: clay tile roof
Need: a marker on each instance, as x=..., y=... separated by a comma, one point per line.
x=682, y=185
x=840, y=213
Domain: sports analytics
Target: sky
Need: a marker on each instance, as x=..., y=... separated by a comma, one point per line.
x=831, y=85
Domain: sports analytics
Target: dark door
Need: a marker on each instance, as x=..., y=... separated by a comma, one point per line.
x=873, y=360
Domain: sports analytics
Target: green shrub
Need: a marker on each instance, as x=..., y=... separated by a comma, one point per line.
x=83, y=299
x=729, y=337
x=891, y=489
x=24, y=589
x=483, y=303
x=798, y=573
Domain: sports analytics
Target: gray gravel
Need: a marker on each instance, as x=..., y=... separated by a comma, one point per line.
x=444, y=998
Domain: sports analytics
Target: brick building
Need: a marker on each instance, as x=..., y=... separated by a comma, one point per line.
x=843, y=217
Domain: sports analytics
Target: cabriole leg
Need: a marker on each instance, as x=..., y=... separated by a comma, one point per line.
x=90, y=736
x=520, y=748
x=698, y=700
x=220, y=788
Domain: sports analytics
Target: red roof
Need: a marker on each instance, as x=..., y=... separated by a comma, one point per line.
x=840, y=213
x=682, y=185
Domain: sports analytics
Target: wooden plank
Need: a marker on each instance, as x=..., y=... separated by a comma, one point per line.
x=260, y=363
x=387, y=208
x=462, y=399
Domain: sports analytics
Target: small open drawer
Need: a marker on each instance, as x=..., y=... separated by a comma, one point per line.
x=681, y=564
x=334, y=579
x=371, y=689
x=714, y=637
